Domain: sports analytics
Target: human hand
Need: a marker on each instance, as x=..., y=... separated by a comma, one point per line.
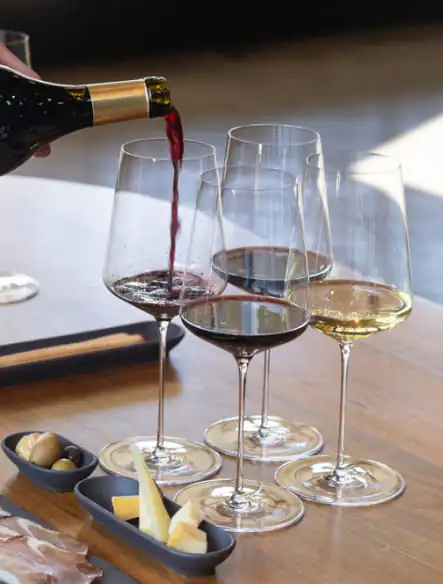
x=10, y=60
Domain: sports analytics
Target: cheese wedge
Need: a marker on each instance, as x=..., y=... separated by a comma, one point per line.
x=188, y=538
x=190, y=513
x=153, y=517
x=126, y=507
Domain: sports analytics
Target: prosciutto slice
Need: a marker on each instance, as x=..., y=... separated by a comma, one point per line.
x=13, y=526
x=30, y=554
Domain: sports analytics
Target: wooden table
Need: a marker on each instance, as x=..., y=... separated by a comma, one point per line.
x=394, y=415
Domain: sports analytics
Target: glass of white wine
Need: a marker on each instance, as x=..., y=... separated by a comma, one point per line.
x=367, y=291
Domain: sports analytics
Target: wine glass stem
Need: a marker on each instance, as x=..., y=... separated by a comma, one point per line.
x=265, y=395
x=345, y=350
x=238, y=499
x=159, y=450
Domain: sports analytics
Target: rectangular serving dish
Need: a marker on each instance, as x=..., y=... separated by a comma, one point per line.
x=111, y=575
x=95, y=495
x=50, y=357
x=51, y=480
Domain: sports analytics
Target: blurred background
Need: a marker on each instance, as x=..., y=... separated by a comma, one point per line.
x=365, y=75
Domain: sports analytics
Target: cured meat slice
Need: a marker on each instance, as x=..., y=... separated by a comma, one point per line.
x=12, y=526
x=26, y=560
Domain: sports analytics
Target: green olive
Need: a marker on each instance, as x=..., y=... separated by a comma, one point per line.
x=25, y=445
x=46, y=450
x=63, y=464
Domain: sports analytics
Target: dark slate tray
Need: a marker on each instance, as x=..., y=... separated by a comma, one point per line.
x=95, y=495
x=85, y=361
x=111, y=574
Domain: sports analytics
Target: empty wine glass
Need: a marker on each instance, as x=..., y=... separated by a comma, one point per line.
x=368, y=291
x=261, y=207
x=15, y=287
x=145, y=266
x=282, y=147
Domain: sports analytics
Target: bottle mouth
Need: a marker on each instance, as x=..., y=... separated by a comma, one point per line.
x=159, y=96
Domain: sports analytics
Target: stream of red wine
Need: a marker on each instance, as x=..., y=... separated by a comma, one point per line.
x=174, y=133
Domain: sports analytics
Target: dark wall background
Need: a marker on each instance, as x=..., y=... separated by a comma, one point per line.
x=91, y=30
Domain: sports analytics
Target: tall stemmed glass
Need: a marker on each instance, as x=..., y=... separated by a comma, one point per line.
x=260, y=207
x=16, y=287
x=282, y=147
x=138, y=271
x=368, y=291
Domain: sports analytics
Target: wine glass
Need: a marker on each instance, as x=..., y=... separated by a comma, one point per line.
x=16, y=287
x=282, y=147
x=368, y=291
x=145, y=264
x=260, y=207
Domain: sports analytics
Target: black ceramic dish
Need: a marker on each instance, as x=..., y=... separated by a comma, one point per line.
x=95, y=495
x=60, y=481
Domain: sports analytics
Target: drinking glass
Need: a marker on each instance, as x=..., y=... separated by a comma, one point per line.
x=138, y=271
x=261, y=207
x=15, y=287
x=282, y=147
x=368, y=291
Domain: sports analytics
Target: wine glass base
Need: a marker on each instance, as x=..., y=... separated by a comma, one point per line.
x=16, y=287
x=361, y=482
x=183, y=462
x=268, y=507
x=281, y=440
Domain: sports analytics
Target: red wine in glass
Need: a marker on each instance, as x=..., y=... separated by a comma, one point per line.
x=174, y=133
x=245, y=325
x=264, y=269
x=152, y=292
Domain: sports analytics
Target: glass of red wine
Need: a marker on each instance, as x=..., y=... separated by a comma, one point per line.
x=261, y=207
x=15, y=286
x=146, y=257
x=283, y=147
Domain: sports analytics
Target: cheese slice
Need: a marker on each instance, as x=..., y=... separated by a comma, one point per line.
x=188, y=538
x=126, y=507
x=153, y=517
x=190, y=513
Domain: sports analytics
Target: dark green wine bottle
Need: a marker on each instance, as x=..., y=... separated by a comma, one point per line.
x=33, y=112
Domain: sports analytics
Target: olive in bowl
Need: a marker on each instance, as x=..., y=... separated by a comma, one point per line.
x=50, y=460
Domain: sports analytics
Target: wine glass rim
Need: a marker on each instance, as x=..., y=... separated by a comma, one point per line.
x=392, y=163
x=315, y=135
x=23, y=37
x=220, y=171
x=124, y=149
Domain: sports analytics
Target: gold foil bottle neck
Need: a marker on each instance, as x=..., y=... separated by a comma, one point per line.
x=119, y=101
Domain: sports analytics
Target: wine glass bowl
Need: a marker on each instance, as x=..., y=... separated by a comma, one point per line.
x=283, y=147
x=367, y=291
x=18, y=43
x=145, y=266
x=261, y=211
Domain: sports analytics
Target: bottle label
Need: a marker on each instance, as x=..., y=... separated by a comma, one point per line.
x=118, y=102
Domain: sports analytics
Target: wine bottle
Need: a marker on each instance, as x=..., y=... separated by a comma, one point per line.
x=33, y=112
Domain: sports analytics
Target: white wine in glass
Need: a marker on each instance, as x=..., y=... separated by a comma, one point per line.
x=368, y=291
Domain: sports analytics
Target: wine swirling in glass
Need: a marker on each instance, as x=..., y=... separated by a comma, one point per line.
x=138, y=270
x=261, y=210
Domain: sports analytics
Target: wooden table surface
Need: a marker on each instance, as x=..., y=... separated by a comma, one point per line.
x=394, y=415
